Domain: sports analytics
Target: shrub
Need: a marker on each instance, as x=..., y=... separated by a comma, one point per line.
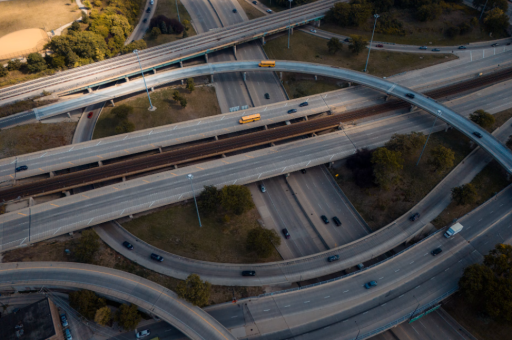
x=3, y=71
x=452, y=32
x=14, y=64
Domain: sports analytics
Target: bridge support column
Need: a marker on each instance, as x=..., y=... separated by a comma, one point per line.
x=281, y=75
x=234, y=50
x=272, y=144
x=182, y=83
x=471, y=144
x=52, y=174
x=152, y=89
x=206, y=58
x=211, y=78
x=263, y=40
x=175, y=166
x=89, y=90
x=340, y=127
x=69, y=115
x=448, y=127
x=127, y=80
x=154, y=71
x=386, y=98
x=318, y=23
x=313, y=134
x=266, y=127
x=160, y=149
x=330, y=165
x=223, y=156
x=216, y=138
x=287, y=122
x=316, y=77
x=67, y=193
x=112, y=102
x=349, y=83
x=124, y=178
x=412, y=108
x=306, y=118
x=31, y=202
x=100, y=163
x=245, y=76
x=181, y=63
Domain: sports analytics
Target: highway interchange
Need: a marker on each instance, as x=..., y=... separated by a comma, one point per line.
x=325, y=310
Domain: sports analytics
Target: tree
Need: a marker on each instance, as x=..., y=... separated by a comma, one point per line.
x=102, y=316
x=386, y=167
x=121, y=112
x=163, y=27
x=75, y=26
x=496, y=21
x=183, y=102
x=190, y=85
x=3, y=71
x=428, y=12
x=58, y=61
x=87, y=246
x=209, y=199
x=407, y=144
x=465, y=28
x=357, y=44
x=194, y=290
x=491, y=4
x=186, y=23
x=465, y=194
x=155, y=32
x=441, y=158
x=362, y=168
x=97, y=3
x=482, y=118
x=135, y=45
x=87, y=4
x=176, y=96
x=452, y=31
x=236, y=199
x=86, y=303
x=128, y=316
x=334, y=45
x=509, y=142
x=14, y=64
x=382, y=6
x=185, y=34
x=36, y=63
x=262, y=241
x=124, y=126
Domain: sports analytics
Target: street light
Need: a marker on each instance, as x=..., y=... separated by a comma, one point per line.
x=376, y=16
x=190, y=177
x=178, y=10
x=151, y=108
x=432, y=128
x=290, y=23
x=359, y=330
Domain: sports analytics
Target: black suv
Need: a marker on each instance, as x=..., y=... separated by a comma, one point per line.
x=128, y=245
x=303, y=104
x=21, y=168
x=414, y=217
x=333, y=258
x=336, y=221
x=478, y=134
x=267, y=96
x=436, y=251
x=157, y=257
x=248, y=273
x=292, y=111
x=410, y=95
x=325, y=219
x=148, y=10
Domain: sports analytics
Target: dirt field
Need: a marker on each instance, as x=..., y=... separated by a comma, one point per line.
x=22, y=43
x=44, y=14
x=305, y=47
x=34, y=137
x=53, y=250
x=201, y=103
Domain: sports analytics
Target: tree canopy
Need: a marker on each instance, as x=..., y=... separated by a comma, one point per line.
x=496, y=21
x=236, y=199
x=36, y=63
x=87, y=246
x=128, y=316
x=262, y=241
x=334, y=45
x=3, y=71
x=407, y=144
x=194, y=290
x=86, y=303
x=464, y=194
x=482, y=118
x=357, y=44
x=190, y=85
x=102, y=316
x=209, y=199
x=386, y=167
x=441, y=158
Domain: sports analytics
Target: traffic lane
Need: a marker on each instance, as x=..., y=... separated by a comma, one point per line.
x=17, y=119
x=287, y=214
x=202, y=15
x=431, y=326
x=225, y=10
x=86, y=124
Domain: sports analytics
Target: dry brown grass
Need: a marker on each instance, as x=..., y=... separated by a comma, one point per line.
x=34, y=137
x=53, y=250
x=175, y=229
x=44, y=14
x=305, y=47
x=23, y=105
x=252, y=13
x=201, y=103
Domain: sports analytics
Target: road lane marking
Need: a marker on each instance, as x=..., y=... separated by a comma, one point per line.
x=55, y=205
x=365, y=312
x=145, y=181
x=151, y=204
x=347, y=290
x=391, y=88
x=287, y=306
x=328, y=296
x=446, y=269
x=425, y=254
x=180, y=196
x=306, y=301
x=172, y=173
x=11, y=176
x=99, y=157
x=397, y=270
x=115, y=188
x=380, y=278
x=57, y=231
x=23, y=241
x=233, y=317
x=400, y=296
x=90, y=221
x=125, y=137
x=384, y=304
x=266, y=310
x=417, y=287
x=411, y=262
x=85, y=196
x=70, y=163
x=122, y=212
x=249, y=156
x=22, y=214
x=199, y=167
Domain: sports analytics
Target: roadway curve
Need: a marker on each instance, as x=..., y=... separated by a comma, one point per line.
x=487, y=142
x=192, y=321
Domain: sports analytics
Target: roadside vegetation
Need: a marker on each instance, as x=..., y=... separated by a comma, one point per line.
x=227, y=216
x=173, y=105
x=429, y=22
x=54, y=250
x=250, y=10
x=165, y=26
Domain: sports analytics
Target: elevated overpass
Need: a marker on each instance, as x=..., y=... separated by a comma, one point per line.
x=160, y=301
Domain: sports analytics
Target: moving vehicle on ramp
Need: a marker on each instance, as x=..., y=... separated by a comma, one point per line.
x=250, y=119
x=267, y=63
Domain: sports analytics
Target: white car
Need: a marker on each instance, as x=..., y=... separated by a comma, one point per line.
x=152, y=2
x=143, y=334
x=312, y=31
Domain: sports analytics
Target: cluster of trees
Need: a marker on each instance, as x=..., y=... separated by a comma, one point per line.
x=464, y=194
x=482, y=118
x=356, y=46
x=232, y=199
x=177, y=96
x=488, y=286
x=95, y=308
x=123, y=124
x=383, y=166
x=286, y=3
x=262, y=241
x=164, y=25
x=87, y=247
x=194, y=290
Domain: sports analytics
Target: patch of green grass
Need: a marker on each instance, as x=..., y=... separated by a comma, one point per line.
x=379, y=207
x=176, y=230
x=428, y=33
x=303, y=88
x=500, y=119
x=308, y=48
x=168, y=8
x=201, y=103
x=252, y=13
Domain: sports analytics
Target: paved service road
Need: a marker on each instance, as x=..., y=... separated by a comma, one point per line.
x=190, y=320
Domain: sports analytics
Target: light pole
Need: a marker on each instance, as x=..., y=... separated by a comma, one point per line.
x=151, y=107
x=376, y=16
x=178, y=10
x=289, y=23
x=432, y=128
x=190, y=177
x=359, y=330
x=483, y=9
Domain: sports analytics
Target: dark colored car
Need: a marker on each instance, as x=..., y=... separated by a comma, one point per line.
x=347, y=40
x=254, y=2
x=234, y=10
x=89, y=115
x=370, y=284
x=248, y=273
x=508, y=44
x=303, y=171
x=336, y=221
x=436, y=251
x=63, y=320
x=435, y=50
x=148, y=10
x=128, y=245
x=157, y=257
x=423, y=48
x=303, y=104
x=462, y=47
x=267, y=96
x=494, y=45
x=414, y=217
x=333, y=258
x=478, y=134
x=262, y=188
x=21, y=168
x=145, y=20
x=292, y=111
x=379, y=45
x=286, y=233
x=325, y=219
x=410, y=95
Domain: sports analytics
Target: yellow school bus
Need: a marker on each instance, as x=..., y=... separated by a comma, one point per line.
x=267, y=63
x=249, y=119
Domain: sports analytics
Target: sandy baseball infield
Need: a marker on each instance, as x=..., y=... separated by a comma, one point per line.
x=22, y=43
